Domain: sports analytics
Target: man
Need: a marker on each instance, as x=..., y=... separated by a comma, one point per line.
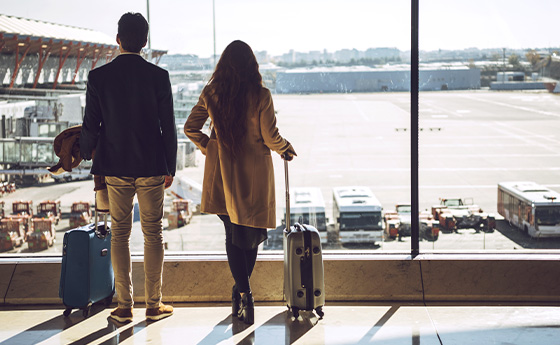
x=129, y=127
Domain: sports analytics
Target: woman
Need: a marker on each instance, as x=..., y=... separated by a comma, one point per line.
x=238, y=181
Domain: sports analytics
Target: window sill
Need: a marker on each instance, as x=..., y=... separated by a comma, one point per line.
x=429, y=277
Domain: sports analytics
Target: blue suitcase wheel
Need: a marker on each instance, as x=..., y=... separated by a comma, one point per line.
x=67, y=312
x=107, y=301
x=86, y=311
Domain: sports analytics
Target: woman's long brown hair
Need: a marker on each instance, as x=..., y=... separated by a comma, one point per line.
x=235, y=82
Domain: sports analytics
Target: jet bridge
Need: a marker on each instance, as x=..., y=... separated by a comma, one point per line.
x=29, y=157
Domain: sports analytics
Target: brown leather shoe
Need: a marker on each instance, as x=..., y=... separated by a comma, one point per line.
x=155, y=314
x=122, y=314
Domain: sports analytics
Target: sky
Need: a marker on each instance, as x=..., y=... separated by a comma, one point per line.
x=186, y=26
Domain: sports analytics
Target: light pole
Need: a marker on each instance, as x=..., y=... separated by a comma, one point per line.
x=214, y=29
x=504, y=73
x=150, y=29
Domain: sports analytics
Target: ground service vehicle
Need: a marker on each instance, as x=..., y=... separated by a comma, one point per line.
x=23, y=210
x=49, y=209
x=307, y=206
x=180, y=214
x=457, y=213
x=7, y=187
x=429, y=227
x=12, y=233
x=398, y=223
x=80, y=214
x=43, y=224
x=530, y=207
x=43, y=234
x=357, y=214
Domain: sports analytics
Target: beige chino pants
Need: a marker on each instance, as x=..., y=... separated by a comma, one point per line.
x=150, y=191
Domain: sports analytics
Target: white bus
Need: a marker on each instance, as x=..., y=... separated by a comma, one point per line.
x=307, y=206
x=357, y=215
x=532, y=208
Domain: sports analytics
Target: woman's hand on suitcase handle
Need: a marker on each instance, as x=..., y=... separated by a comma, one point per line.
x=289, y=154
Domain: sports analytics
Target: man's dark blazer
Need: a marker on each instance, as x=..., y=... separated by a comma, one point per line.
x=129, y=119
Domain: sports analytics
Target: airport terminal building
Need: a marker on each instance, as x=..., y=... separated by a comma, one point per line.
x=366, y=79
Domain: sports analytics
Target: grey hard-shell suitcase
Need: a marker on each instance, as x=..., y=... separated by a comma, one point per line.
x=304, y=286
x=86, y=275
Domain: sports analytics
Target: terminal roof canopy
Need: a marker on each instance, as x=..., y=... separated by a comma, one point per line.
x=19, y=34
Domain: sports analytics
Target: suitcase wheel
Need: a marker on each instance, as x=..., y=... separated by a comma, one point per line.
x=85, y=311
x=67, y=312
x=107, y=301
x=320, y=312
x=295, y=312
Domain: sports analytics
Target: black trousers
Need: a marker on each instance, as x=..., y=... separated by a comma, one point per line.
x=241, y=261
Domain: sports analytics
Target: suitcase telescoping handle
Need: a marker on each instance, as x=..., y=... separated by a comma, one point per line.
x=100, y=233
x=287, y=216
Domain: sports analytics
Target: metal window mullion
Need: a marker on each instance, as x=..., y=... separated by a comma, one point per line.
x=414, y=83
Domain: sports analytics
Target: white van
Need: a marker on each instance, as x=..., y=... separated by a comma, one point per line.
x=357, y=215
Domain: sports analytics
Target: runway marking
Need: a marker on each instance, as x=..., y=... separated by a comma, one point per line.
x=479, y=186
x=548, y=113
x=423, y=156
x=361, y=112
x=549, y=148
x=461, y=169
x=377, y=109
x=530, y=134
x=521, y=137
x=443, y=110
x=506, y=135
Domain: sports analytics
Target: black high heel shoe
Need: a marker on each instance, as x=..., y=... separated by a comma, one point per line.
x=247, y=311
x=235, y=301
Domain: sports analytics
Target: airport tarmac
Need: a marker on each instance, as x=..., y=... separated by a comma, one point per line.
x=469, y=141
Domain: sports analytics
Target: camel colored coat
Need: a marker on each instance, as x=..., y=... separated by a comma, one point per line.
x=242, y=188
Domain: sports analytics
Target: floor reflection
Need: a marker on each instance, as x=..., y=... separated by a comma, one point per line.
x=282, y=328
x=219, y=333
x=50, y=328
x=367, y=338
x=399, y=324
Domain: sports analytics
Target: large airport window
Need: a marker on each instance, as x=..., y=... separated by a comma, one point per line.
x=341, y=79
x=489, y=149
x=342, y=102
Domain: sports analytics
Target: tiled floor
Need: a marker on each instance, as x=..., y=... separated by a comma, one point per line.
x=343, y=324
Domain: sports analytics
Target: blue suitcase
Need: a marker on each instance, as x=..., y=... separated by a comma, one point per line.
x=87, y=275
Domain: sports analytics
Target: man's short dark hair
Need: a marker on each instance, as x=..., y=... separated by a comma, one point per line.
x=133, y=32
